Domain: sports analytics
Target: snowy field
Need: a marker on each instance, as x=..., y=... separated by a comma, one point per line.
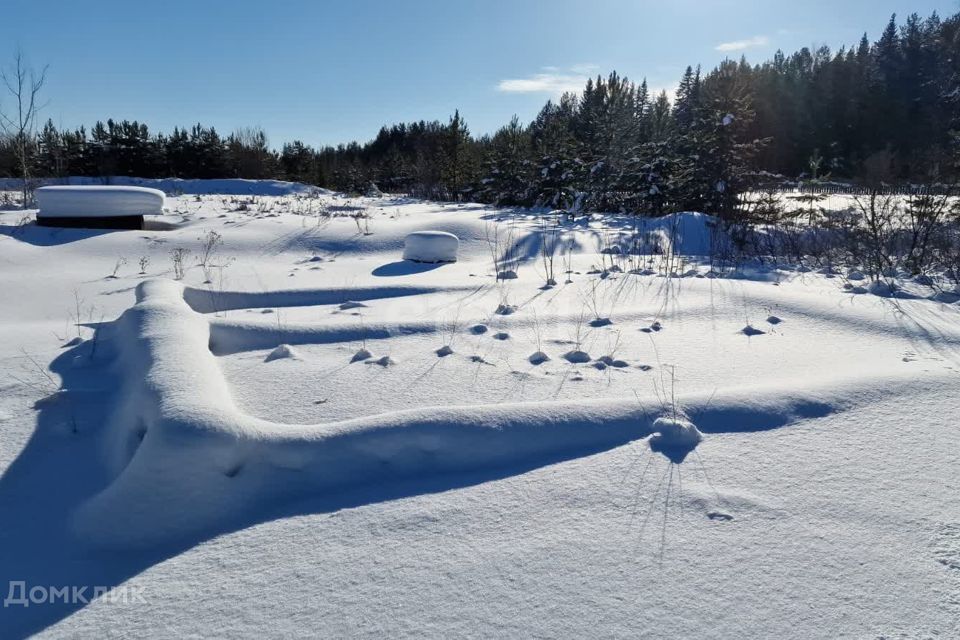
x=308, y=435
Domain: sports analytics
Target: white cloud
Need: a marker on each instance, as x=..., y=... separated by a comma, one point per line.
x=585, y=68
x=740, y=45
x=552, y=80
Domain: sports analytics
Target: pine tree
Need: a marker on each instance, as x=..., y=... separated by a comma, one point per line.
x=508, y=167
x=556, y=170
x=457, y=169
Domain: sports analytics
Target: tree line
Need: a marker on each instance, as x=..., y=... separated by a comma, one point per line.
x=883, y=110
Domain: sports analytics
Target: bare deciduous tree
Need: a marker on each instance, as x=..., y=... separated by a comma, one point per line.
x=23, y=84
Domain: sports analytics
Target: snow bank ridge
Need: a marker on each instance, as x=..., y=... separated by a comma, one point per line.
x=184, y=460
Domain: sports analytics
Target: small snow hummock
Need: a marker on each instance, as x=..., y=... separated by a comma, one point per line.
x=751, y=330
x=538, y=357
x=576, y=356
x=444, y=351
x=610, y=361
x=882, y=289
x=362, y=354
x=674, y=437
x=282, y=352
x=431, y=246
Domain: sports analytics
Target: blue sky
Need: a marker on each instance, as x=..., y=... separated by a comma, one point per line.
x=328, y=72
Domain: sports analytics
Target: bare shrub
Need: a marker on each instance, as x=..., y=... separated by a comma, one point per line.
x=549, y=243
x=119, y=264
x=178, y=256
x=503, y=250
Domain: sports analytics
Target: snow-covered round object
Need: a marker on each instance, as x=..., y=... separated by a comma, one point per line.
x=431, y=246
x=98, y=201
x=674, y=437
x=676, y=431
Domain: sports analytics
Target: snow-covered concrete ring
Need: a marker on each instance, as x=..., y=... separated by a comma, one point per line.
x=97, y=206
x=98, y=201
x=431, y=246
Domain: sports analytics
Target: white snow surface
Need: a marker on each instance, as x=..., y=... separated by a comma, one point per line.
x=431, y=246
x=230, y=446
x=98, y=201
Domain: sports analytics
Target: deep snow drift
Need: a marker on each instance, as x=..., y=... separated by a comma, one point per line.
x=308, y=434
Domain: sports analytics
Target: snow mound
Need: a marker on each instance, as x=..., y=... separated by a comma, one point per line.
x=751, y=330
x=362, y=354
x=98, y=201
x=885, y=289
x=616, y=363
x=444, y=351
x=538, y=357
x=431, y=246
x=576, y=356
x=282, y=352
x=675, y=437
